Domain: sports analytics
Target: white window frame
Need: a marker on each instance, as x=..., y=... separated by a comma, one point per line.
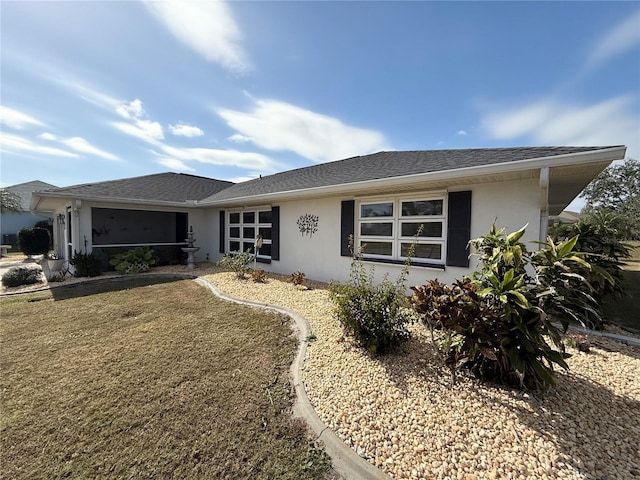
x=397, y=219
x=256, y=225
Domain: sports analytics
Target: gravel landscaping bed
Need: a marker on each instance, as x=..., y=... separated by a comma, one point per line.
x=401, y=413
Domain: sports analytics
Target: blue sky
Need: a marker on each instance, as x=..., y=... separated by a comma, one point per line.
x=94, y=91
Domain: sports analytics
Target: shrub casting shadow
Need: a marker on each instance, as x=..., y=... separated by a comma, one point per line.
x=586, y=421
x=416, y=358
x=583, y=419
x=111, y=284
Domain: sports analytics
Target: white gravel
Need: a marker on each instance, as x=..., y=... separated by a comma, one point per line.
x=401, y=414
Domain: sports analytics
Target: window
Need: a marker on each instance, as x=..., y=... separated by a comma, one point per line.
x=243, y=229
x=387, y=229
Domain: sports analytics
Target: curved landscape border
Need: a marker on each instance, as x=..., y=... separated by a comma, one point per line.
x=344, y=460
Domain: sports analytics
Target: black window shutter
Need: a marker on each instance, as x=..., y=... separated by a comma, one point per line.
x=222, y=232
x=347, y=222
x=459, y=229
x=275, y=233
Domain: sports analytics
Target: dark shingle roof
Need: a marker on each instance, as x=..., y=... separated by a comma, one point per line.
x=24, y=191
x=387, y=165
x=164, y=187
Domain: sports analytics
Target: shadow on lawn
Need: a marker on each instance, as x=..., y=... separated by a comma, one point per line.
x=112, y=284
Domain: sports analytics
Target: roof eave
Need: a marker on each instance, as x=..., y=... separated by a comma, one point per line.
x=37, y=196
x=591, y=156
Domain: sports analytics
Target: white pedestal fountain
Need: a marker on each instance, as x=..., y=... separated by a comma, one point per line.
x=190, y=249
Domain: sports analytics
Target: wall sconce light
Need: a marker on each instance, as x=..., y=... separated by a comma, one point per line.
x=60, y=219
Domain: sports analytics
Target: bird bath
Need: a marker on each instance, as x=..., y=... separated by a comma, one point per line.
x=190, y=249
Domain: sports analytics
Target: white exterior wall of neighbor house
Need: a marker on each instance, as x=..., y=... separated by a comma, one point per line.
x=509, y=204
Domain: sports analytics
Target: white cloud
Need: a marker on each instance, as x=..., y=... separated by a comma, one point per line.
x=241, y=179
x=151, y=129
x=550, y=122
x=13, y=143
x=280, y=126
x=175, y=165
x=48, y=136
x=143, y=129
x=90, y=95
x=147, y=130
x=461, y=132
x=183, y=130
x=233, y=158
x=236, y=137
x=207, y=27
x=79, y=144
x=17, y=120
x=622, y=38
x=130, y=110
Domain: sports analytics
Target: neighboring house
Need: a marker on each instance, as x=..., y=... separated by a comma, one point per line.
x=305, y=216
x=567, y=216
x=12, y=223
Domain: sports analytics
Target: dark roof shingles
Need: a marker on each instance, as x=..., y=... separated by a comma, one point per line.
x=164, y=187
x=387, y=165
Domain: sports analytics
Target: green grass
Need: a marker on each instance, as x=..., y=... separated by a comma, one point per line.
x=156, y=381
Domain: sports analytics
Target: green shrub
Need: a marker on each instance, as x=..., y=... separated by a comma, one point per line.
x=48, y=226
x=376, y=315
x=136, y=260
x=599, y=239
x=238, y=262
x=34, y=241
x=464, y=329
x=18, y=276
x=498, y=323
x=86, y=264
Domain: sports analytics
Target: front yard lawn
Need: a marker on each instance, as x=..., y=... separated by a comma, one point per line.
x=156, y=381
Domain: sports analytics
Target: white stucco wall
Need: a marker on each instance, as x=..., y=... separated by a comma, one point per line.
x=509, y=204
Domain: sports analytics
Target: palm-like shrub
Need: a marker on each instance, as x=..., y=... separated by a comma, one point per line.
x=599, y=239
x=499, y=324
x=86, y=264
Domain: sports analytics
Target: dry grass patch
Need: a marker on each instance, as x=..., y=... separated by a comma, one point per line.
x=157, y=381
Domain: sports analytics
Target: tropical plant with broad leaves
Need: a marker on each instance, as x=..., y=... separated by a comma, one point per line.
x=499, y=324
x=136, y=260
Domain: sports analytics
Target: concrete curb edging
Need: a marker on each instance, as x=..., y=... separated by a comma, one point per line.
x=343, y=459
x=614, y=336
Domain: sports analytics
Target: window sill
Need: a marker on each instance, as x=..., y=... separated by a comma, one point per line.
x=437, y=266
x=263, y=260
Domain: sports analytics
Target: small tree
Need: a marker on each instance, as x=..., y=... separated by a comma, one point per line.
x=34, y=241
x=9, y=202
x=617, y=190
